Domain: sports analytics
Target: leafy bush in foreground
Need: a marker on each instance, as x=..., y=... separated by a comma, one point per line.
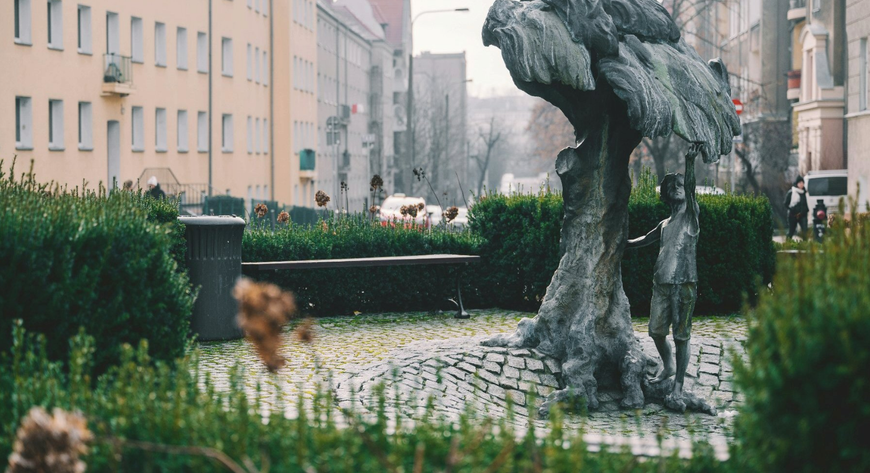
x=87, y=258
x=807, y=381
x=140, y=404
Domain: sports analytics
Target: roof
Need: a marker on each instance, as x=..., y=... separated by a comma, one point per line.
x=360, y=17
x=393, y=13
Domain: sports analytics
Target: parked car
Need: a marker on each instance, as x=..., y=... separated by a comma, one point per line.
x=435, y=214
x=709, y=190
x=391, y=211
x=827, y=186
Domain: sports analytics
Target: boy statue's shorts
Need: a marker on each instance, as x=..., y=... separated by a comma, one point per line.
x=672, y=304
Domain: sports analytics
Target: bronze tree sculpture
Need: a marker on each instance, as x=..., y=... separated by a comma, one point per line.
x=619, y=71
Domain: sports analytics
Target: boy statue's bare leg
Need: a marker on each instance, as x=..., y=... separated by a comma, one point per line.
x=668, y=368
x=682, y=363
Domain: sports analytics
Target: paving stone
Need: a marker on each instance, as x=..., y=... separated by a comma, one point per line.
x=487, y=376
x=474, y=361
x=526, y=375
x=709, y=369
x=429, y=376
x=692, y=370
x=466, y=367
x=455, y=372
x=508, y=382
x=710, y=359
x=549, y=380
x=518, y=363
x=726, y=387
x=553, y=365
x=520, y=352
x=490, y=366
x=496, y=391
x=518, y=397
x=708, y=380
x=534, y=365
x=495, y=358
x=511, y=372
x=544, y=391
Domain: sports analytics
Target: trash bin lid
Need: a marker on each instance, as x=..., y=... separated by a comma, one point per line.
x=211, y=220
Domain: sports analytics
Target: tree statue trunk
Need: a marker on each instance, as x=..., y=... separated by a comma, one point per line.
x=584, y=319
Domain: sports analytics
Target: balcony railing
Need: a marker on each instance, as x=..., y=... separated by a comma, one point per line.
x=117, y=74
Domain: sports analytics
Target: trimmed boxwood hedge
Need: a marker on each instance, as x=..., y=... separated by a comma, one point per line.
x=108, y=262
x=521, y=247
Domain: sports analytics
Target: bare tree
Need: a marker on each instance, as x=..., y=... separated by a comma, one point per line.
x=492, y=137
x=548, y=128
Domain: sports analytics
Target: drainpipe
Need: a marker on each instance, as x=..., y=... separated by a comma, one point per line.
x=271, y=99
x=210, y=42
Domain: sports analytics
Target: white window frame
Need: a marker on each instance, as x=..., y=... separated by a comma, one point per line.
x=137, y=114
x=257, y=65
x=250, y=62
x=257, y=136
x=862, y=74
x=55, y=24
x=21, y=19
x=201, y=52
x=249, y=4
x=23, y=123
x=86, y=126
x=159, y=44
x=266, y=143
x=265, y=68
x=250, y=135
x=160, y=140
x=137, y=40
x=55, y=125
x=202, y=132
x=181, y=48
x=227, y=57
x=227, y=133
x=265, y=9
x=182, y=135
x=85, y=41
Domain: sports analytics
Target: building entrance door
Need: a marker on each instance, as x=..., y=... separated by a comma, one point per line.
x=114, y=153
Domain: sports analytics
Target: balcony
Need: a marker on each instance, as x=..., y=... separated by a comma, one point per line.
x=794, y=85
x=797, y=10
x=117, y=75
x=307, y=159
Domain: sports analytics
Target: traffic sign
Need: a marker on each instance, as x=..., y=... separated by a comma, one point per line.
x=738, y=106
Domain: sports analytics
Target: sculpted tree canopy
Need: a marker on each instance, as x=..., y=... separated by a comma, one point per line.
x=619, y=71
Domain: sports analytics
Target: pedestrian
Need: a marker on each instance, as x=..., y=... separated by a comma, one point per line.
x=154, y=189
x=796, y=203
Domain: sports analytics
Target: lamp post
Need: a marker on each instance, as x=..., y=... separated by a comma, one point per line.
x=407, y=179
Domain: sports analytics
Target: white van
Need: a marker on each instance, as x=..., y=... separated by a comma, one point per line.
x=827, y=186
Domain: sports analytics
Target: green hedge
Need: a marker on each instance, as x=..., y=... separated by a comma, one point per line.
x=521, y=247
x=151, y=402
x=807, y=379
x=87, y=258
x=345, y=291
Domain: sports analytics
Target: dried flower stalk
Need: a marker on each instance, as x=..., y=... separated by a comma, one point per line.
x=50, y=443
x=321, y=198
x=283, y=217
x=261, y=210
x=264, y=309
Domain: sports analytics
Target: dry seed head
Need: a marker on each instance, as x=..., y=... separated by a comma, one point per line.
x=451, y=213
x=377, y=182
x=283, y=217
x=261, y=210
x=374, y=209
x=305, y=331
x=50, y=443
x=321, y=198
x=264, y=309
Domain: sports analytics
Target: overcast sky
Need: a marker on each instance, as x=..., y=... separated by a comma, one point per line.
x=457, y=32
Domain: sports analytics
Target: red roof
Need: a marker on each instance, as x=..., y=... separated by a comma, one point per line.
x=392, y=12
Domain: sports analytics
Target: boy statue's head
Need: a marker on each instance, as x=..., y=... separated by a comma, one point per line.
x=672, y=191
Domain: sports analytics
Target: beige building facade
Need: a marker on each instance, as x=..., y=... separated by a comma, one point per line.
x=858, y=98
x=103, y=91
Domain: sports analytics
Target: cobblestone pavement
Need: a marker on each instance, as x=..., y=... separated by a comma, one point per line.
x=434, y=356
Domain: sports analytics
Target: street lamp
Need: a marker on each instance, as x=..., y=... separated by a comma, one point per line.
x=410, y=112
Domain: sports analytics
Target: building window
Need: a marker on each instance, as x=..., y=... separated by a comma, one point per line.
x=55, y=124
x=250, y=135
x=181, y=131
x=227, y=57
x=113, y=33
x=137, y=41
x=257, y=136
x=86, y=127
x=160, y=130
x=862, y=75
x=138, y=129
x=257, y=6
x=265, y=7
x=202, y=132
x=227, y=133
x=23, y=123
x=181, y=48
x=249, y=3
x=249, y=61
x=160, y=44
x=265, y=136
x=22, y=21
x=201, y=52
x=84, y=21
x=55, y=24
x=257, y=65
x=265, y=69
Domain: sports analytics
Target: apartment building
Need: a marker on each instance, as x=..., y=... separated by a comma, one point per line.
x=301, y=123
x=355, y=81
x=857, y=115
x=104, y=91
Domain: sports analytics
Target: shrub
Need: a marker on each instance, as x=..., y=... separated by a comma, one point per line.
x=140, y=401
x=521, y=247
x=380, y=289
x=807, y=378
x=92, y=259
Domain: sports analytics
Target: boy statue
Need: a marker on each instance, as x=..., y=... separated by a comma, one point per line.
x=676, y=276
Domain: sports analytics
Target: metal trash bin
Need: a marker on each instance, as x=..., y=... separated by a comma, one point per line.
x=214, y=262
